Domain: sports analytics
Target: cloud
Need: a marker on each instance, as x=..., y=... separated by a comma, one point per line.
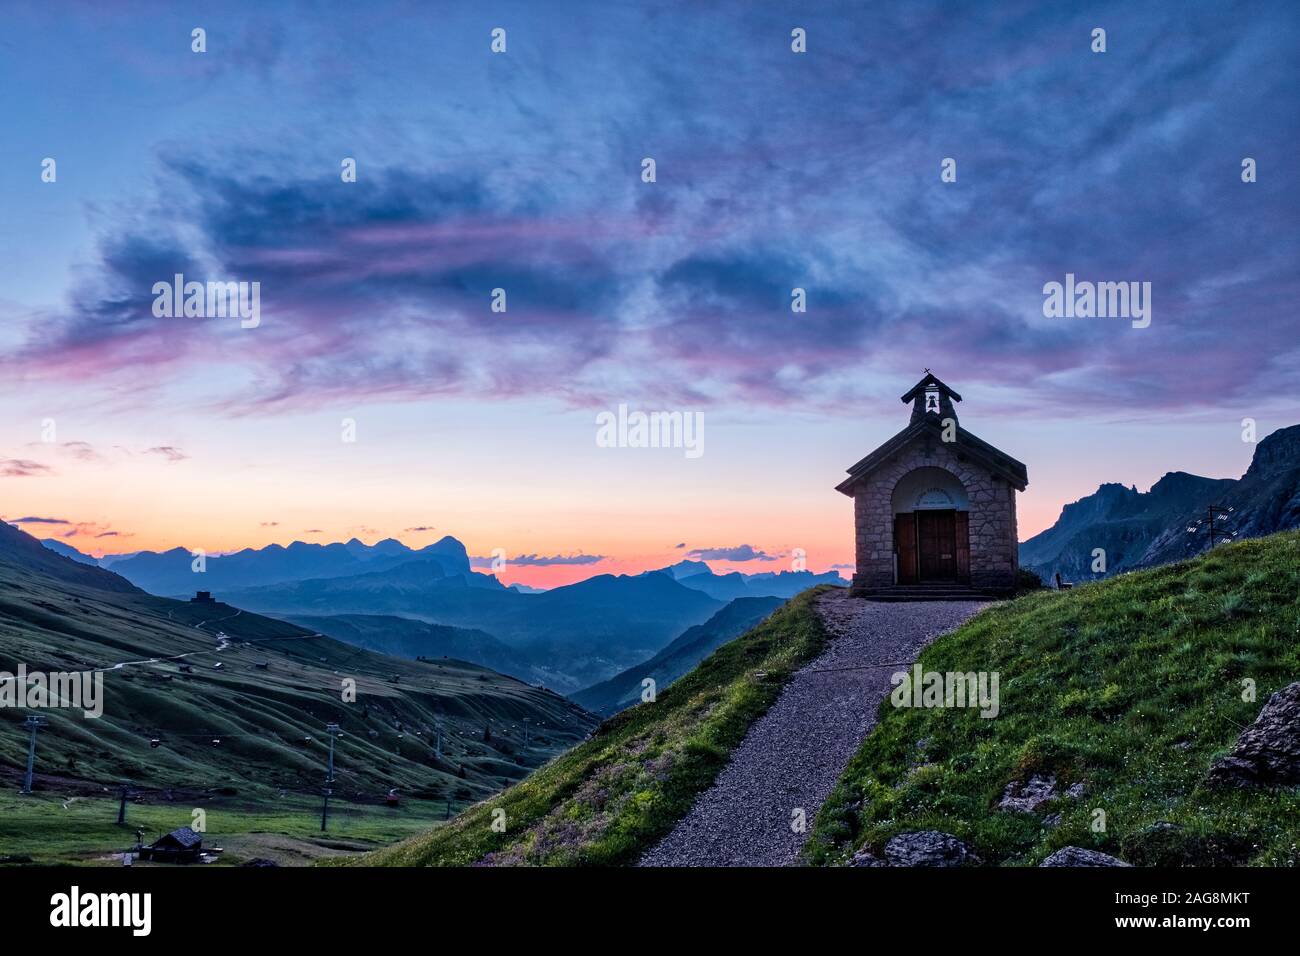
x=679, y=292
x=541, y=561
x=682, y=545
x=22, y=468
x=169, y=452
x=74, y=529
x=418, y=529
x=314, y=531
x=743, y=552
x=270, y=524
x=82, y=451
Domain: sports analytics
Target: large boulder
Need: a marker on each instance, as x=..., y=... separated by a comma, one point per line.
x=1078, y=856
x=1268, y=751
x=929, y=848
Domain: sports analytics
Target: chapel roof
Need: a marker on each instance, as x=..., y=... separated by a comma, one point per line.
x=930, y=426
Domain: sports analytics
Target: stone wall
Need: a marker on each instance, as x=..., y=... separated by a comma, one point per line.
x=993, y=535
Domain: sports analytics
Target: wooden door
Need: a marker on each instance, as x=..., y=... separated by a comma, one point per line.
x=936, y=545
x=963, y=545
x=905, y=547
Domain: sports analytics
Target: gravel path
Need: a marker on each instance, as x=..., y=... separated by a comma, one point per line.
x=793, y=754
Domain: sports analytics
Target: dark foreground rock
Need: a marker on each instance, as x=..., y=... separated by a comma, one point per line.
x=1078, y=856
x=922, y=848
x=1268, y=751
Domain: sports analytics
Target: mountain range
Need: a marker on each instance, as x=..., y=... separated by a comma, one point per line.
x=170, y=573
x=1170, y=522
x=579, y=634
x=428, y=602
x=725, y=587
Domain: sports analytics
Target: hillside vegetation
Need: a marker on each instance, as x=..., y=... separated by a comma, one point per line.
x=610, y=798
x=1130, y=687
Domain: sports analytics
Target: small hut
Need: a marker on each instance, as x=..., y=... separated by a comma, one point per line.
x=179, y=846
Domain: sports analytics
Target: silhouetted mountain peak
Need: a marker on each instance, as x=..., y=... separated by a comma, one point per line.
x=1277, y=452
x=1179, y=489
x=686, y=569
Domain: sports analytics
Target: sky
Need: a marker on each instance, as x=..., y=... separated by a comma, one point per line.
x=524, y=171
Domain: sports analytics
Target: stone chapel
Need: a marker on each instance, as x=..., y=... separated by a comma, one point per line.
x=935, y=508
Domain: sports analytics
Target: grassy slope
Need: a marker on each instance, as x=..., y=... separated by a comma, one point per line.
x=613, y=796
x=1131, y=686
x=261, y=715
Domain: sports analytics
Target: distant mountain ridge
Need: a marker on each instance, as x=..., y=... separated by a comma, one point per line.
x=1140, y=530
x=170, y=572
x=395, y=599
x=624, y=690
x=727, y=587
x=584, y=632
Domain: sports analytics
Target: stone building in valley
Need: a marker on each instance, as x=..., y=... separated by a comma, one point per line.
x=935, y=507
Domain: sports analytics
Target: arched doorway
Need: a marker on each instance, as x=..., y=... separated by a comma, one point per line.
x=931, y=527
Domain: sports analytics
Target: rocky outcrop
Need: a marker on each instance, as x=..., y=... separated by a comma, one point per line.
x=1268, y=751
x=1038, y=790
x=921, y=848
x=1145, y=529
x=1123, y=522
x=1078, y=856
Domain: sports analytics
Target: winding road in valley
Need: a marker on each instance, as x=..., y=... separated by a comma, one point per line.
x=792, y=756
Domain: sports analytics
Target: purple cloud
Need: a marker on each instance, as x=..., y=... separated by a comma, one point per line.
x=540, y=560
x=380, y=288
x=22, y=468
x=743, y=552
x=167, y=451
